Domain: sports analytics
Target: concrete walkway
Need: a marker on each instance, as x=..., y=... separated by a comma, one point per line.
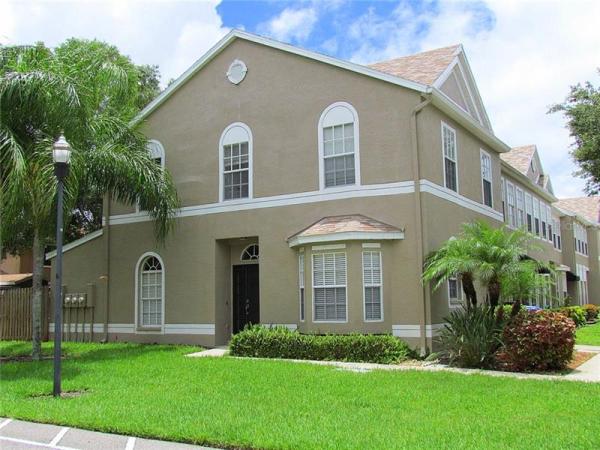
x=21, y=435
x=210, y=353
x=588, y=348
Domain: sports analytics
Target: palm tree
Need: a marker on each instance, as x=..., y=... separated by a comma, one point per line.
x=484, y=254
x=453, y=260
x=44, y=94
x=524, y=283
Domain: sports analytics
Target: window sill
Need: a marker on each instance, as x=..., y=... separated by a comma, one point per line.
x=149, y=329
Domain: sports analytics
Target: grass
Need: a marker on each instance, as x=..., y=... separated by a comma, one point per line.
x=154, y=391
x=589, y=335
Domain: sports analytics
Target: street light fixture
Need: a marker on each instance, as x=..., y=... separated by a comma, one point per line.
x=61, y=154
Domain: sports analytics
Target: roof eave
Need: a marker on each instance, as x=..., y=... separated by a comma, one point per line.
x=442, y=102
x=527, y=181
x=296, y=241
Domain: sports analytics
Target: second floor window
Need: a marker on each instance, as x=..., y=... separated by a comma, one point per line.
x=529, y=212
x=236, y=162
x=449, y=149
x=486, y=178
x=338, y=146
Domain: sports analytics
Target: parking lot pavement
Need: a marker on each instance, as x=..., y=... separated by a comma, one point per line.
x=22, y=435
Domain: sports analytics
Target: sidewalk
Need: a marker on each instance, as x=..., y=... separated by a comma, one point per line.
x=21, y=435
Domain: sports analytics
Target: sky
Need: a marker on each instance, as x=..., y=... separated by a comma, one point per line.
x=524, y=54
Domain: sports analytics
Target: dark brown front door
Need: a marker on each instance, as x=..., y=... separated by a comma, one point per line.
x=245, y=296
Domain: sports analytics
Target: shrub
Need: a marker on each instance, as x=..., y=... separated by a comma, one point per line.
x=536, y=341
x=591, y=311
x=471, y=337
x=279, y=342
x=575, y=313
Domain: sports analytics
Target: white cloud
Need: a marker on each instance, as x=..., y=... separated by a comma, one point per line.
x=525, y=60
x=170, y=34
x=292, y=24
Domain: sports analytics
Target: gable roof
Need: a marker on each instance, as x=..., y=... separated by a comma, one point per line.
x=345, y=228
x=587, y=207
x=425, y=67
x=520, y=157
x=439, y=99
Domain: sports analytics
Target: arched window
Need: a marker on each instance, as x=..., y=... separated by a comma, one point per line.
x=250, y=253
x=339, y=162
x=157, y=152
x=235, y=162
x=150, y=290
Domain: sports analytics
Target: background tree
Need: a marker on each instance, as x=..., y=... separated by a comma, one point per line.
x=88, y=91
x=582, y=110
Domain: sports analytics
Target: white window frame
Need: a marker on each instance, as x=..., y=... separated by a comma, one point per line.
x=150, y=329
x=521, y=219
x=529, y=210
x=485, y=155
x=156, y=151
x=455, y=160
x=512, y=218
x=503, y=194
x=227, y=129
x=321, y=148
x=549, y=223
x=301, y=287
x=459, y=301
x=372, y=285
x=314, y=288
x=536, y=215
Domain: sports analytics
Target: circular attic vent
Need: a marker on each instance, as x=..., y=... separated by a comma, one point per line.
x=237, y=71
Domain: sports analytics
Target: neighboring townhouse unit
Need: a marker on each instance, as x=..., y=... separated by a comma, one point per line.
x=312, y=190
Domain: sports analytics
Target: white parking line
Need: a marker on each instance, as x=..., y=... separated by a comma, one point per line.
x=6, y=422
x=37, y=444
x=59, y=436
x=130, y=443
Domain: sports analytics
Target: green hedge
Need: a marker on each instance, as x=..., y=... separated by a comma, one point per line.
x=575, y=313
x=279, y=342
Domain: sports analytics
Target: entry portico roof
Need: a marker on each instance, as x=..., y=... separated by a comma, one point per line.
x=354, y=227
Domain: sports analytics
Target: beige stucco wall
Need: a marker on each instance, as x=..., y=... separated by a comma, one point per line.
x=281, y=103
x=429, y=126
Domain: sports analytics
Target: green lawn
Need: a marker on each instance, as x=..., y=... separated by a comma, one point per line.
x=155, y=391
x=589, y=335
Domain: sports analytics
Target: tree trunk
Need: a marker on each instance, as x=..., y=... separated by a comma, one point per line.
x=494, y=294
x=469, y=289
x=516, y=308
x=36, y=295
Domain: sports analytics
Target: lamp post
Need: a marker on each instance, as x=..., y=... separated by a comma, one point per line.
x=61, y=154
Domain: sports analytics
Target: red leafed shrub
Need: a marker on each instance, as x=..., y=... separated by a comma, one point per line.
x=537, y=341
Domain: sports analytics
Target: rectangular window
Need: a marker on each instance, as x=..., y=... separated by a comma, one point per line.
x=338, y=154
x=503, y=188
x=235, y=171
x=510, y=201
x=372, y=285
x=450, y=157
x=454, y=292
x=520, y=208
x=543, y=219
x=536, y=216
x=549, y=222
x=301, y=284
x=329, y=282
x=486, y=178
x=529, y=212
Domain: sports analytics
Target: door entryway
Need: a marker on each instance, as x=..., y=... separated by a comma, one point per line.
x=245, y=296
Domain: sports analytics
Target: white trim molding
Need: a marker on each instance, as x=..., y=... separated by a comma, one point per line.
x=77, y=243
x=451, y=196
x=414, y=331
x=346, y=236
x=301, y=198
x=129, y=328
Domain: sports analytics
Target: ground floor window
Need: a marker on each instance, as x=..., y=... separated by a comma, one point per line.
x=454, y=292
x=372, y=285
x=301, y=284
x=329, y=282
x=150, y=292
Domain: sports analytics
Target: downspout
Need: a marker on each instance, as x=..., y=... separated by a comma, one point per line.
x=419, y=230
x=106, y=276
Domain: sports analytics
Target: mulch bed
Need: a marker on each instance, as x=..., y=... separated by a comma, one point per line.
x=579, y=358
